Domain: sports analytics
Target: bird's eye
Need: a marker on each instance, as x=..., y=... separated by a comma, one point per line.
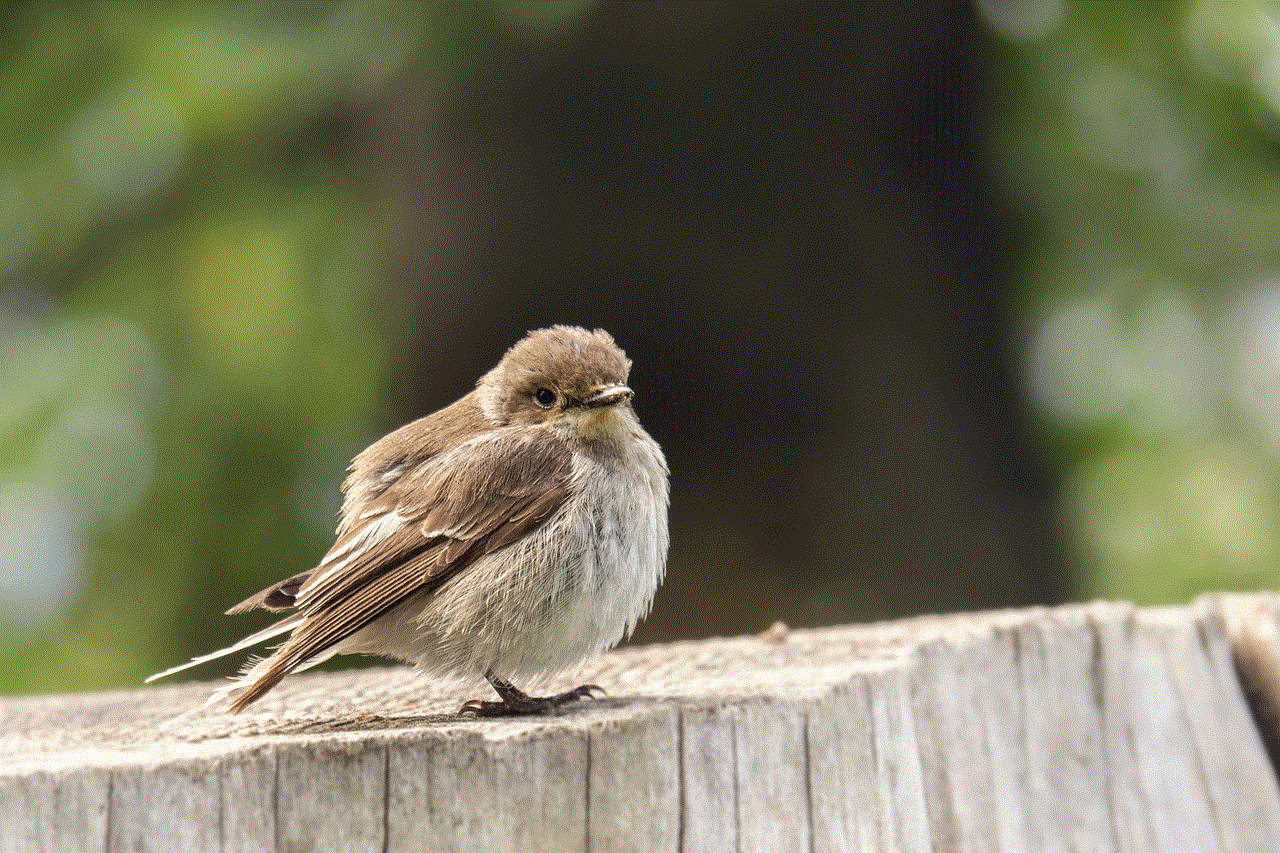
x=544, y=397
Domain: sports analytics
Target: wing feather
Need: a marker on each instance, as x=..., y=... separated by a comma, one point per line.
x=448, y=511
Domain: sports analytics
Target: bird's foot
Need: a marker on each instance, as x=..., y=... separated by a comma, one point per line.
x=515, y=703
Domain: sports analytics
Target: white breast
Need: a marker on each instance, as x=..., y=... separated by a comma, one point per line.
x=624, y=504
x=571, y=589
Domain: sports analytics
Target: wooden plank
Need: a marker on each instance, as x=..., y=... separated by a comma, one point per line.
x=249, y=803
x=464, y=790
x=330, y=795
x=1131, y=814
x=165, y=808
x=842, y=770
x=54, y=810
x=633, y=781
x=771, y=752
x=1252, y=623
x=1241, y=782
x=1064, y=753
x=1087, y=728
x=708, y=783
x=959, y=780
x=864, y=768
x=903, y=811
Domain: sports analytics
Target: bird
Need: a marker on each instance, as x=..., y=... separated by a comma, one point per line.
x=512, y=534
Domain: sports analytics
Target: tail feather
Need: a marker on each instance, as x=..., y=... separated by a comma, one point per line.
x=258, y=676
x=282, y=627
x=258, y=680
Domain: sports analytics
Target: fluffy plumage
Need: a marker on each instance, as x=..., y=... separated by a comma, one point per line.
x=500, y=536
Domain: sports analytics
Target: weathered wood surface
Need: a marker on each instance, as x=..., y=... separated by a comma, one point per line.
x=1086, y=728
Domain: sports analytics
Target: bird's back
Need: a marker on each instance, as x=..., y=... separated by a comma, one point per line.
x=383, y=462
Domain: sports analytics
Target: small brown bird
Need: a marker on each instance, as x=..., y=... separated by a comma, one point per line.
x=511, y=534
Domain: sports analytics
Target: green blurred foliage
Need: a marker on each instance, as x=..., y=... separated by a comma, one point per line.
x=1140, y=143
x=193, y=326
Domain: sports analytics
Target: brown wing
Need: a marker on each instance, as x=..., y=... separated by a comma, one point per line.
x=377, y=469
x=438, y=518
x=384, y=462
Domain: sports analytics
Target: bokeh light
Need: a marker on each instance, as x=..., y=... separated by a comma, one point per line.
x=1152, y=344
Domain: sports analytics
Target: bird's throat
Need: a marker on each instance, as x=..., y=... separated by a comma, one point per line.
x=605, y=425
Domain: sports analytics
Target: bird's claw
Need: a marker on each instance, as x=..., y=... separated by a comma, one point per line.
x=521, y=705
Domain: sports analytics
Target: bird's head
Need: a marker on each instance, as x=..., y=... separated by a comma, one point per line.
x=571, y=379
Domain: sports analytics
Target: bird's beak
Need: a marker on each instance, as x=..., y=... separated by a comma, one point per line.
x=609, y=396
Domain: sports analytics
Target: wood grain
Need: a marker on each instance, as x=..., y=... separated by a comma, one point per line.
x=1085, y=728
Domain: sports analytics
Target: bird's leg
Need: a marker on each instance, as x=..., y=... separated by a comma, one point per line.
x=515, y=702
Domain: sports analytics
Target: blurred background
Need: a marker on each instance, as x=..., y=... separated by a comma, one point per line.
x=936, y=306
